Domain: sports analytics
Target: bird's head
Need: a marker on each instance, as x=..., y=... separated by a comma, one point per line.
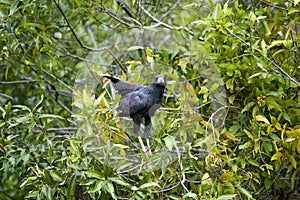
x=160, y=80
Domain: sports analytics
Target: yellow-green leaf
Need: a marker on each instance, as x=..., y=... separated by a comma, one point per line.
x=290, y=139
x=231, y=136
x=292, y=160
x=214, y=87
x=298, y=145
x=277, y=156
x=150, y=59
x=261, y=118
x=191, y=90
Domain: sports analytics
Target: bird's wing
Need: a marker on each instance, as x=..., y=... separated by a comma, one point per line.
x=136, y=102
x=122, y=86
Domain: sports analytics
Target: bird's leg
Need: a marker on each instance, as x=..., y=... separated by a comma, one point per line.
x=147, y=134
x=137, y=131
x=142, y=144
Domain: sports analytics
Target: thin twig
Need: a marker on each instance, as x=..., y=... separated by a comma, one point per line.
x=181, y=169
x=57, y=79
x=169, y=10
x=160, y=23
x=266, y=57
x=114, y=16
x=16, y=82
x=118, y=61
x=273, y=5
x=126, y=8
x=74, y=33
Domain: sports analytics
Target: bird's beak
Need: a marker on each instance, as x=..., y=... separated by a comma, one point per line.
x=161, y=80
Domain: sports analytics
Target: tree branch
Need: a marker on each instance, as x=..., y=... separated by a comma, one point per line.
x=266, y=57
x=74, y=33
x=160, y=23
x=126, y=8
x=17, y=82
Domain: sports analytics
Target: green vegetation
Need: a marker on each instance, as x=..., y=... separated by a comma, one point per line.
x=232, y=133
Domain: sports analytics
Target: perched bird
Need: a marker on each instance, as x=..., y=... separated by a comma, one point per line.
x=140, y=102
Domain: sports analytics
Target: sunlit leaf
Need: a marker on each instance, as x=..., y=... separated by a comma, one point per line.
x=227, y=197
x=146, y=185
x=94, y=173
x=277, y=156
x=170, y=142
x=261, y=118
x=231, y=136
x=292, y=160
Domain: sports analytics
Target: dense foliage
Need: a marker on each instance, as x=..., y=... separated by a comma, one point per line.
x=232, y=132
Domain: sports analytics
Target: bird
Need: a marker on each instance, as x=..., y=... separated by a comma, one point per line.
x=140, y=102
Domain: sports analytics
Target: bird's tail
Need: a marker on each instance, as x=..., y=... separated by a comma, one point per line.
x=113, y=79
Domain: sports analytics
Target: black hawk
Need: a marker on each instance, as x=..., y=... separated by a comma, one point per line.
x=140, y=102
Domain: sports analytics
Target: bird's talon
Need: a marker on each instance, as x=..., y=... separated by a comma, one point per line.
x=149, y=153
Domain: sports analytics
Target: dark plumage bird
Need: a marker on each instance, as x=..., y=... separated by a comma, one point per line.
x=140, y=102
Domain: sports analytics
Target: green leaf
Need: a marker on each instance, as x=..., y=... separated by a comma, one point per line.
x=119, y=181
x=248, y=106
x=13, y=7
x=50, y=116
x=253, y=162
x=274, y=137
x=201, y=22
x=150, y=59
x=147, y=185
x=94, y=173
x=263, y=46
x=290, y=139
x=245, y=192
x=72, y=187
x=277, y=156
x=190, y=195
x=191, y=90
x=38, y=104
x=48, y=178
x=133, y=48
x=249, y=134
x=227, y=197
x=169, y=141
x=271, y=101
x=149, y=52
x=217, y=12
x=88, y=182
x=230, y=84
x=110, y=189
x=98, y=186
x=23, y=119
x=298, y=145
x=292, y=160
x=22, y=107
x=56, y=176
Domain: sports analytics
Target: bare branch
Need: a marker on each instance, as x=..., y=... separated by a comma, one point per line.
x=114, y=16
x=17, y=82
x=181, y=169
x=160, y=23
x=126, y=8
x=74, y=33
x=273, y=5
x=169, y=11
x=57, y=79
x=118, y=61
